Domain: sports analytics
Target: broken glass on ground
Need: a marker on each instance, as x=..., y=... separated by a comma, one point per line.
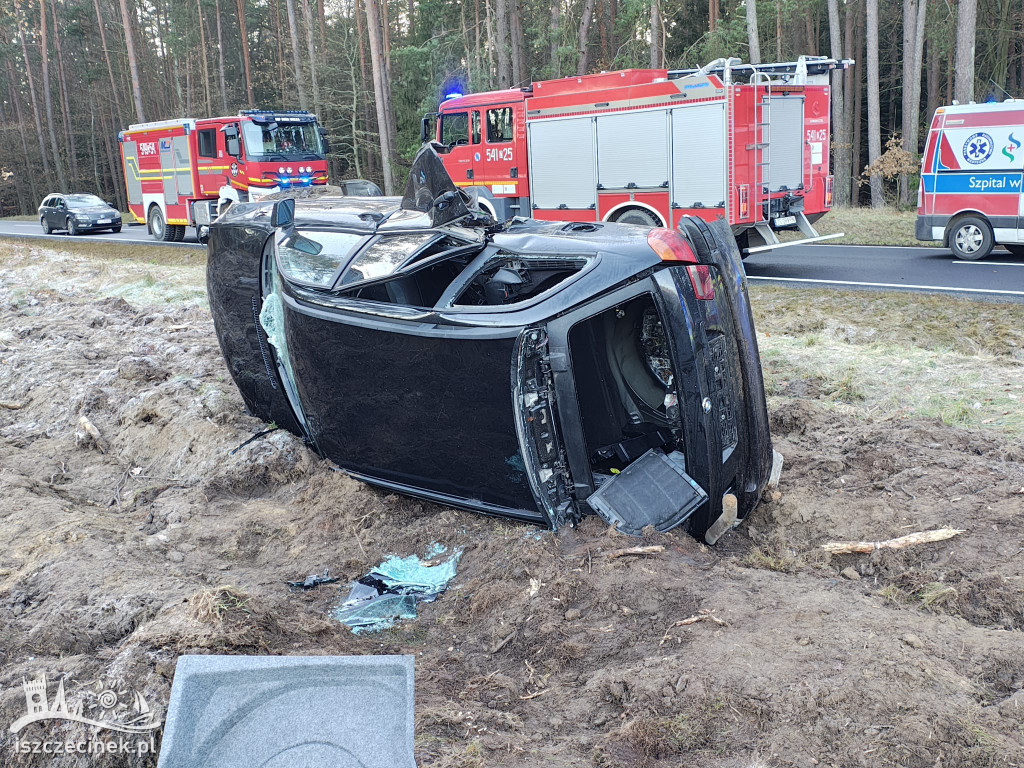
x=392, y=590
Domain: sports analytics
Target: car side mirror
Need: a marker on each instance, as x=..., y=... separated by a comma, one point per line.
x=444, y=200
x=283, y=214
x=325, y=141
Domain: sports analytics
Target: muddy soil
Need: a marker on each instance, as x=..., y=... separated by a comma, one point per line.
x=164, y=538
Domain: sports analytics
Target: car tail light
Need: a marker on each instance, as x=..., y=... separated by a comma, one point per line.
x=670, y=246
x=744, y=201
x=701, y=280
x=828, y=191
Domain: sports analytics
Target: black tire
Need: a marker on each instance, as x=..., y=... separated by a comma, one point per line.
x=45, y=224
x=743, y=242
x=116, y=229
x=970, y=238
x=73, y=228
x=1015, y=250
x=638, y=216
x=179, y=232
x=158, y=226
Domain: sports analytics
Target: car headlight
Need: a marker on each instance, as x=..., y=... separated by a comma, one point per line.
x=315, y=262
x=81, y=217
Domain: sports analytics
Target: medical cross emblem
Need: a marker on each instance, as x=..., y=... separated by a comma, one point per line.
x=978, y=148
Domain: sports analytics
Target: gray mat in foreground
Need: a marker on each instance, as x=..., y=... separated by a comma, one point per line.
x=290, y=712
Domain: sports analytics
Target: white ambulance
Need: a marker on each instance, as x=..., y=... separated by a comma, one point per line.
x=970, y=195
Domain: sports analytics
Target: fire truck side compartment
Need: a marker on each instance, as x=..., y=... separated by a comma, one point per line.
x=786, y=137
x=562, y=168
x=698, y=177
x=632, y=150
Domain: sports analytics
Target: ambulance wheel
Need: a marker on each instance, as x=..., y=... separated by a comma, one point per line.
x=158, y=227
x=639, y=216
x=971, y=238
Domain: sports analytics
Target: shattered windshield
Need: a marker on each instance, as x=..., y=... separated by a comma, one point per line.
x=282, y=141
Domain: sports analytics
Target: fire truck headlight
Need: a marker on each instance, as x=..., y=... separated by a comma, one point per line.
x=289, y=170
x=281, y=170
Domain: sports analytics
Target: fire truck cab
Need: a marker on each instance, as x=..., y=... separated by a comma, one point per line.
x=650, y=146
x=181, y=173
x=970, y=198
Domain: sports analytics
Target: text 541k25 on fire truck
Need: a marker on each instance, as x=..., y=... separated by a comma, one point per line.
x=650, y=146
x=181, y=173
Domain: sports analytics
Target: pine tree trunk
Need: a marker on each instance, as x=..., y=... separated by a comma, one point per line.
x=966, y=21
x=501, y=44
x=753, y=40
x=220, y=60
x=583, y=44
x=47, y=99
x=106, y=55
x=133, y=64
x=656, y=53
x=841, y=149
x=934, y=76
x=381, y=95
x=874, y=106
x=244, y=35
x=555, y=31
x=21, y=130
x=32, y=91
x=65, y=104
x=280, y=50
x=293, y=32
x=521, y=73
x=206, y=66
x=311, y=50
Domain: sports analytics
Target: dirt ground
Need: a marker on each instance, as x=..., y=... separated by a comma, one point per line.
x=161, y=539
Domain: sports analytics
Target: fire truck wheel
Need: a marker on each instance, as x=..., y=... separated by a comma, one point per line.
x=638, y=216
x=46, y=225
x=970, y=238
x=159, y=227
x=179, y=233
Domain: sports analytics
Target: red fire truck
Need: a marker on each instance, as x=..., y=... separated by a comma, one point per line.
x=649, y=146
x=181, y=173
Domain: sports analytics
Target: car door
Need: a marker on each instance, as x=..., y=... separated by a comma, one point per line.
x=58, y=213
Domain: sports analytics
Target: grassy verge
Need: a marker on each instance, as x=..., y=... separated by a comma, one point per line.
x=895, y=355
x=866, y=226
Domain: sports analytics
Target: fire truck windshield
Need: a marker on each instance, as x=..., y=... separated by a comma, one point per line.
x=264, y=142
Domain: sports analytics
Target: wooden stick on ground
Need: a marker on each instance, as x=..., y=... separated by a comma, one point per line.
x=704, y=615
x=653, y=550
x=921, y=537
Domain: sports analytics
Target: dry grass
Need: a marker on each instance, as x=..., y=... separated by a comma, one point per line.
x=702, y=727
x=866, y=226
x=212, y=605
x=896, y=355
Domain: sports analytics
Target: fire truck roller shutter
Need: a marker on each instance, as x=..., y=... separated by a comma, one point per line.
x=786, y=137
x=167, y=172
x=183, y=166
x=632, y=150
x=132, y=177
x=562, y=163
x=698, y=155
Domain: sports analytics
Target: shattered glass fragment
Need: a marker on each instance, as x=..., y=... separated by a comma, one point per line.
x=393, y=589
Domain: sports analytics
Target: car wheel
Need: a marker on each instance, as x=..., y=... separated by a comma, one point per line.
x=46, y=225
x=1016, y=250
x=73, y=228
x=971, y=238
x=116, y=229
x=638, y=216
x=158, y=227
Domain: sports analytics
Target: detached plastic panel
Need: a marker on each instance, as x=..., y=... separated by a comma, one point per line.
x=654, y=490
x=290, y=712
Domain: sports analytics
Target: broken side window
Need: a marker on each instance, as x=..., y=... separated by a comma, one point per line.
x=512, y=278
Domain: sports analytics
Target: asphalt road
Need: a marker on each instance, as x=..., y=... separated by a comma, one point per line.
x=1000, y=277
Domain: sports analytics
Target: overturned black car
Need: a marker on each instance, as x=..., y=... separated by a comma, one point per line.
x=535, y=370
